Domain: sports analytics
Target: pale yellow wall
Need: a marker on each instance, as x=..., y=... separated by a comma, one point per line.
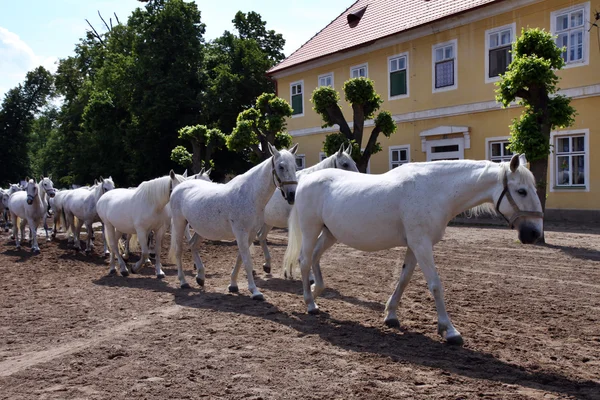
x=471, y=89
x=471, y=66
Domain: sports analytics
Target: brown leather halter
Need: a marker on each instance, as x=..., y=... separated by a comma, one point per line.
x=279, y=184
x=518, y=214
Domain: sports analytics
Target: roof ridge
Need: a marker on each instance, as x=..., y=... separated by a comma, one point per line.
x=313, y=36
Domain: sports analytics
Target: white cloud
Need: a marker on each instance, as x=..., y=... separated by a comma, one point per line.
x=17, y=58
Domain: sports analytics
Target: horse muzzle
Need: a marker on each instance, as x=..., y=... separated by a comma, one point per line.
x=291, y=197
x=528, y=233
x=29, y=200
x=51, y=194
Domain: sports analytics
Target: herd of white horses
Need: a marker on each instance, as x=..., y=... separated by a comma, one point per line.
x=322, y=205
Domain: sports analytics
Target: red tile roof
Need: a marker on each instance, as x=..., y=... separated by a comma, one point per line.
x=381, y=18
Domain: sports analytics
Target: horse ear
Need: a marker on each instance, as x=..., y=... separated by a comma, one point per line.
x=172, y=174
x=294, y=149
x=101, y=178
x=522, y=160
x=514, y=163
x=207, y=172
x=201, y=171
x=273, y=150
x=341, y=150
x=349, y=149
x=41, y=178
x=50, y=176
x=96, y=181
x=185, y=173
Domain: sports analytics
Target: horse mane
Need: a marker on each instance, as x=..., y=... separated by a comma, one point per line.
x=522, y=173
x=154, y=191
x=326, y=163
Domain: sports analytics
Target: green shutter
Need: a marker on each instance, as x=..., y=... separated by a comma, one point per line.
x=398, y=83
x=297, y=104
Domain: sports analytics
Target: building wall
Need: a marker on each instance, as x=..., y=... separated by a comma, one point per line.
x=471, y=105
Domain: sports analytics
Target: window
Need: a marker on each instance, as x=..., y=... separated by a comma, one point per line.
x=297, y=98
x=359, y=71
x=497, y=51
x=569, y=25
x=399, y=155
x=300, y=162
x=322, y=156
x=398, y=75
x=444, y=66
x=569, y=153
x=326, y=80
x=499, y=151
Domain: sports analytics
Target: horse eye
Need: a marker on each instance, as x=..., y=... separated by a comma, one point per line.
x=345, y=165
x=522, y=192
x=281, y=167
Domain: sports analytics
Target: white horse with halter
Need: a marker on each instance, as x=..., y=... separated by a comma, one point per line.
x=409, y=206
x=234, y=210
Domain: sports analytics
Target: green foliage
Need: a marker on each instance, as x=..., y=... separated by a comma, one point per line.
x=324, y=98
x=531, y=77
x=181, y=156
x=362, y=91
x=386, y=123
x=335, y=140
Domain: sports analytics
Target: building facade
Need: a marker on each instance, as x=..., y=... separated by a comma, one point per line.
x=435, y=64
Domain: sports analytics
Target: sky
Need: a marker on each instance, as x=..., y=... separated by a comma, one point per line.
x=40, y=32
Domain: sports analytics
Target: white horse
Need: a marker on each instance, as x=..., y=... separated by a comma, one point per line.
x=30, y=206
x=137, y=211
x=231, y=210
x=409, y=206
x=59, y=220
x=81, y=204
x=278, y=210
x=5, y=195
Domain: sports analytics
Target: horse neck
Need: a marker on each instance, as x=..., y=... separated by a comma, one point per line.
x=260, y=181
x=155, y=192
x=98, y=192
x=41, y=196
x=329, y=162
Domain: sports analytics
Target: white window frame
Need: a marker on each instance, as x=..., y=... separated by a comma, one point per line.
x=322, y=156
x=328, y=75
x=586, y=166
x=454, y=43
x=460, y=153
x=513, y=33
x=364, y=65
x=585, y=7
x=303, y=158
x=300, y=82
x=488, y=145
x=400, y=147
x=389, y=60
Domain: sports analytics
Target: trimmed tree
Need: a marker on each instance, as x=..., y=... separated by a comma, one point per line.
x=262, y=124
x=360, y=93
x=204, y=142
x=530, y=80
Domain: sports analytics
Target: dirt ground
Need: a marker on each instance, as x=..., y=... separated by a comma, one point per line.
x=530, y=317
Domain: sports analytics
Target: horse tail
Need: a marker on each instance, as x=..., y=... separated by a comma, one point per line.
x=290, y=259
x=134, y=245
x=173, y=246
x=62, y=220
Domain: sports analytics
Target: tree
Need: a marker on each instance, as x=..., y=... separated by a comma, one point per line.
x=204, y=142
x=361, y=95
x=16, y=118
x=262, y=124
x=531, y=81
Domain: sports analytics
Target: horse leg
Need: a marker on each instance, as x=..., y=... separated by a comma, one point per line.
x=77, y=235
x=309, y=241
x=158, y=245
x=69, y=223
x=177, y=231
x=233, y=287
x=46, y=229
x=423, y=251
x=195, y=243
x=89, y=246
x=15, y=231
x=106, y=252
x=244, y=240
x=33, y=232
x=391, y=319
x=143, y=239
x=325, y=241
x=151, y=244
x=262, y=238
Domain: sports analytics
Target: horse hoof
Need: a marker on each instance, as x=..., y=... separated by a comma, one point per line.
x=311, y=281
x=233, y=289
x=35, y=251
x=185, y=286
x=160, y=276
x=87, y=252
x=106, y=255
x=112, y=272
x=455, y=340
x=392, y=323
x=258, y=296
x=267, y=268
x=253, y=273
x=200, y=281
x=48, y=240
x=125, y=273
x=152, y=255
x=314, y=311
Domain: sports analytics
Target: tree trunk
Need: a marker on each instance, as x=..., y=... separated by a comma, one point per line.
x=359, y=123
x=196, y=157
x=539, y=168
x=362, y=165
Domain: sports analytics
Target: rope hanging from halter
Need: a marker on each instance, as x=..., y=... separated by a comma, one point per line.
x=279, y=184
x=518, y=214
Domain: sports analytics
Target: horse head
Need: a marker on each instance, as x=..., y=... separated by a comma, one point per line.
x=4, y=198
x=518, y=201
x=204, y=175
x=48, y=186
x=31, y=188
x=107, y=184
x=343, y=159
x=175, y=180
x=283, y=164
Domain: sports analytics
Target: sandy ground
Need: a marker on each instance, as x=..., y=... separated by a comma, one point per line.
x=530, y=317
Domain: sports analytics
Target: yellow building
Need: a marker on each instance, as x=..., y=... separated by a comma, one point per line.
x=434, y=64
